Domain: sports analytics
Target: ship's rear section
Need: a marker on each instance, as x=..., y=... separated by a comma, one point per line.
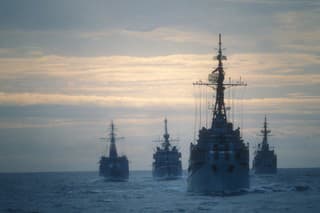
x=218, y=163
x=219, y=160
x=115, y=169
x=265, y=159
x=167, y=159
x=167, y=164
x=265, y=162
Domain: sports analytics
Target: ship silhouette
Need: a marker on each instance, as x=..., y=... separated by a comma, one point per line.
x=114, y=167
x=265, y=159
x=219, y=160
x=167, y=162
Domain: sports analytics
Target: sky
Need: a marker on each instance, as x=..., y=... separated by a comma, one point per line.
x=67, y=68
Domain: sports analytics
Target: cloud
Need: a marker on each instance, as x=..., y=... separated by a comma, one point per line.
x=160, y=33
x=287, y=105
x=61, y=99
x=134, y=68
x=143, y=81
x=52, y=100
x=39, y=123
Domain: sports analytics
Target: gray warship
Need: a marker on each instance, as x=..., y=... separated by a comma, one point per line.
x=219, y=160
x=114, y=167
x=265, y=159
x=167, y=162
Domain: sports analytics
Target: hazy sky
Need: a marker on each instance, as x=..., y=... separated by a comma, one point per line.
x=68, y=67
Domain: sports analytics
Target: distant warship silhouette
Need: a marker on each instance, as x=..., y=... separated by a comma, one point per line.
x=265, y=159
x=219, y=161
x=167, y=163
x=114, y=167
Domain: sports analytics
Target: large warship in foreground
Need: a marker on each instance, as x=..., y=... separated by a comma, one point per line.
x=265, y=160
x=167, y=163
x=114, y=167
x=219, y=161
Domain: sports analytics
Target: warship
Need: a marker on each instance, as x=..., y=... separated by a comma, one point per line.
x=167, y=163
x=114, y=167
x=219, y=160
x=265, y=159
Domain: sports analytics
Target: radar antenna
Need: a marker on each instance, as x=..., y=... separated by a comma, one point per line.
x=166, y=141
x=216, y=82
x=265, y=132
x=112, y=138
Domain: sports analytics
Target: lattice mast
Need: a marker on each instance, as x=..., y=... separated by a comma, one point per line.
x=216, y=82
x=166, y=143
x=265, y=132
x=113, y=149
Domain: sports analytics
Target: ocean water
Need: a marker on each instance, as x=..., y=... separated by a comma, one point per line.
x=291, y=190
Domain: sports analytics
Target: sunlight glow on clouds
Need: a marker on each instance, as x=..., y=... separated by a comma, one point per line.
x=60, y=99
x=148, y=77
x=135, y=62
x=162, y=33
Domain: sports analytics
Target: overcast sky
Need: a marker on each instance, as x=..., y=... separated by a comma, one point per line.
x=67, y=68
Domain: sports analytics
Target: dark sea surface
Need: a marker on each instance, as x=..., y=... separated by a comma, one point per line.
x=291, y=190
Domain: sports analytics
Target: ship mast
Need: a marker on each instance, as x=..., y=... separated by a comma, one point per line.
x=216, y=82
x=166, y=135
x=265, y=131
x=219, y=112
x=113, y=149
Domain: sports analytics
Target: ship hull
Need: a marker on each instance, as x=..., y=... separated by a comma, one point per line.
x=265, y=163
x=219, y=160
x=265, y=159
x=218, y=179
x=114, y=169
x=167, y=164
x=218, y=167
x=167, y=173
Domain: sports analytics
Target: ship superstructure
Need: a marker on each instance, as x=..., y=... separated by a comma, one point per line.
x=265, y=159
x=167, y=159
x=219, y=161
x=114, y=167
